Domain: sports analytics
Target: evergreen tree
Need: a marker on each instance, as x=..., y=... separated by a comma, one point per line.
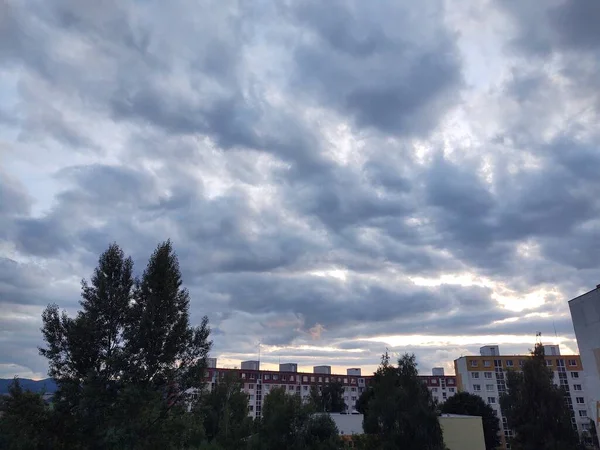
x=536, y=409
x=124, y=364
x=473, y=405
x=401, y=410
x=163, y=350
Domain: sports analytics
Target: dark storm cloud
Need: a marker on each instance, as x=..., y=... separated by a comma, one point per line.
x=354, y=58
x=275, y=142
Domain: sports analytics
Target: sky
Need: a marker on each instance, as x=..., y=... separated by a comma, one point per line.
x=338, y=178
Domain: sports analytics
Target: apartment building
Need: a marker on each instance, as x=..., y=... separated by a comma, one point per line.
x=485, y=376
x=585, y=313
x=258, y=383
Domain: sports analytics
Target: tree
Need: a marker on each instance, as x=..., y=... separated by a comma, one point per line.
x=328, y=397
x=25, y=420
x=321, y=433
x=401, y=410
x=161, y=346
x=225, y=413
x=289, y=423
x=473, y=405
x=536, y=409
x=124, y=364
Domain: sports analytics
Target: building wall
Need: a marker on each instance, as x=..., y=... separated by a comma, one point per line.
x=462, y=432
x=348, y=424
x=585, y=313
x=485, y=376
x=258, y=383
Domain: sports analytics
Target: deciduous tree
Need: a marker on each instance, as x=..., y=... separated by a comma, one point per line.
x=401, y=410
x=536, y=409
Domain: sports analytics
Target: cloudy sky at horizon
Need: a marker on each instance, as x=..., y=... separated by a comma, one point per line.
x=337, y=177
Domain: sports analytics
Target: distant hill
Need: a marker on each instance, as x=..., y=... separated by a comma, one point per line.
x=48, y=385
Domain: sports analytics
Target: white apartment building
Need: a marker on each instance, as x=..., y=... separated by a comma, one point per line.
x=485, y=376
x=585, y=313
x=258, y=383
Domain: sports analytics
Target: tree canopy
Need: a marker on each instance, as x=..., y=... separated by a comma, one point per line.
x=399, y=408
x=125, y=363
x=536, y=409
x=289, y=423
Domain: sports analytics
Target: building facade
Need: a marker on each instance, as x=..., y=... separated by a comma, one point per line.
x=485, y=375
x=258, y=383
x=585, y=313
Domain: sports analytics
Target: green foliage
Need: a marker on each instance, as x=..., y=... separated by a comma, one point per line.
x=125, y=363
x=473, y=405
x=288, y=423
x=25, y=420
x=329, y=398
x=536, y=409
x=400, y=408
x=225, y=413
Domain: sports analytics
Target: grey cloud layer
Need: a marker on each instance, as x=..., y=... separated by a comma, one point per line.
x=276, y=144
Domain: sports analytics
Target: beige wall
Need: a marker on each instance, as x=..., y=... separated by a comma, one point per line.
x=462, y=432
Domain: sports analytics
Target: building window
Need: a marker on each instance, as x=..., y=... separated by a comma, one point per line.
x=451, y=390
x=580, y=400
x=491, y=400
x=433, y=389
x=509, y=363
x=326, y=379
x=489, y=387
x=305, y=388
x=361, y=381
x=477, y=387
x=275, y=377
x=548, y=362
x=353, y=389
x=582, y=413
x=576, y=387
x=572, y=362
x=266, y=376
x=574, y=374
x=475, y=374
x=474, y=363
x=320, y=379
x=312, y=379
x=250, y=386
x=353, y=399
x=443, y=396
x=243, y=376
x=434, y=381
x=521, y=362
x=291, y=377
x=305, y=378
x=345, y=380
x=451, y=381
x=487, y=375
x=290, y=387
x=250, y=408
x=283, y=378
x=487, y=364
